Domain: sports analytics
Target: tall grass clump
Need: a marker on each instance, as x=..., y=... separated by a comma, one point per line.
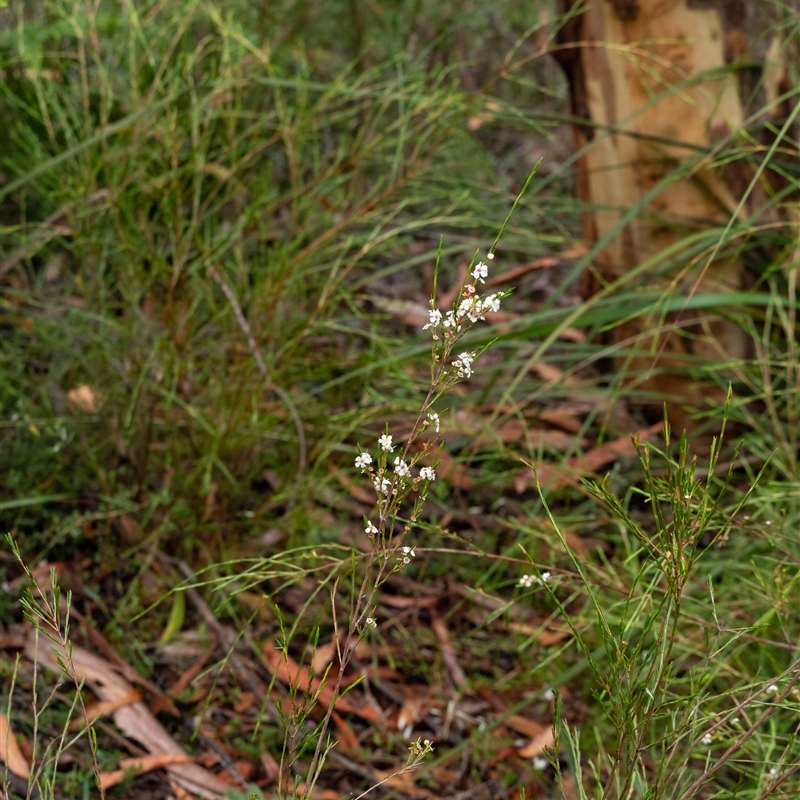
x=169, y=176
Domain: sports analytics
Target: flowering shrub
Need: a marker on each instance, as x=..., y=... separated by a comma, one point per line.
x=408, y=477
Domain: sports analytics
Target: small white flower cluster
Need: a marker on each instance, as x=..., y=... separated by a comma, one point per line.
x=420, y=749
x=434, y=419
x=383, y=486
x=472, y=307
x=435, y=319
x=526, y=581
x=707, y=739
x=401, y=468
x=481, y=270
x=464, y=364
x=385, y=443
x=408, y=554
x=371, y=623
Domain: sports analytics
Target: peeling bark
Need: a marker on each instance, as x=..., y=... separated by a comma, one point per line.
x=650, y=79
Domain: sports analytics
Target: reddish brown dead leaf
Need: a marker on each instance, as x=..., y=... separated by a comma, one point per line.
x=572, y=335
x=537, y=744
x=414, y=709
x=515, y=273
x=179, y=792
x=272, y=769
x=584, y=545
x=552, y=374
x=608, y=452
x=449, y=655
x=289, y=672
x=450, y=471
x=527, y=727
x=556, y=476
x=189, y=675
x=575, y=250
x=324, y=656
x=346, y=741
x=160, y=702
x=396, y=601
x=13, y=638
x=246, y=770
x=407, y=311
x=41, y=577
x=544, y=637
x=96, y=710
x=359, y=493
x=246, y=701
x=127, y=528
x=10, y=751
x=514, y=431
x=446, y=299
x=140, y=765
x=569, y=787
x=561, y=417
x=134, y=719
x=84, y=398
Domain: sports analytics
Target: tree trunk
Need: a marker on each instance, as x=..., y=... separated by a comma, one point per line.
x=650, y=79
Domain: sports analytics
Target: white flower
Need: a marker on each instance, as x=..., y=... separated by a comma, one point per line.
x=490, y=256
x=371, y=623
x=464, y=364
x=386, y=442
x=370, y=530
x=381, y=485
x=540, y=763
x=451, y=322
x=471, y=307
x=549, y=695
x=773, y=688
x=480, y=272
x=526, y=581
x=409, y=551
x=427, y=474
x=491, y=303
x=401, y=468
x=436, y=318
x=434, y=418
x=707, y=739
x=363, y=461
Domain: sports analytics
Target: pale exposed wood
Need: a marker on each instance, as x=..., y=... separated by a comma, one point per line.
x=652, y=78
x=10, y=751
